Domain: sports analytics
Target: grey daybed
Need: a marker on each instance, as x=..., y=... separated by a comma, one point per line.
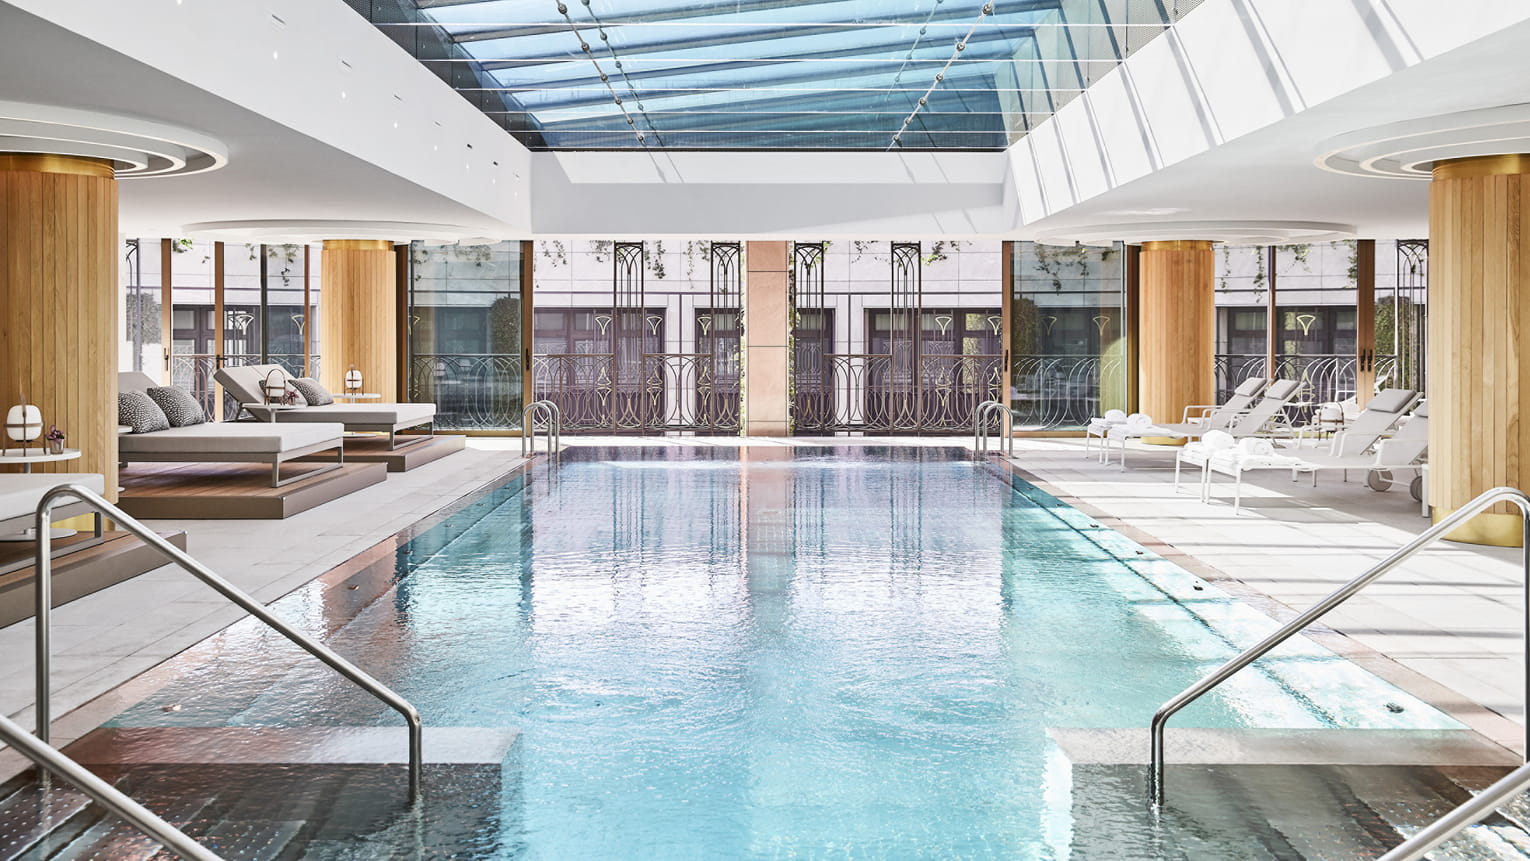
x=246, y=382
x=19, y=495
x=231, y=442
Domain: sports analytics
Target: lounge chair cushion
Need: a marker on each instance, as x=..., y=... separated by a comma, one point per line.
x=1391, y=401
x=405, y=415
x=216, y=438
x=180, y=409
x=138, y=411
x=313, y=391
x=19, y=494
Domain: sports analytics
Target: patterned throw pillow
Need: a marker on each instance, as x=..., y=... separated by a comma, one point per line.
x=180, y=408
x=139, y=411
x=313, y=391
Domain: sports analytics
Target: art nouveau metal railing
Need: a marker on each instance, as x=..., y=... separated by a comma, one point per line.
x=1324, y=377
x=875, y=393
x=471, y=391
x=1052, y=392
x=650, y=392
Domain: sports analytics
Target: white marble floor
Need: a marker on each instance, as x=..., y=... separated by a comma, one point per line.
x=1448, y=626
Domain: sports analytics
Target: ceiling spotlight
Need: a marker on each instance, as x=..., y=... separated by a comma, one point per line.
x=275, y=56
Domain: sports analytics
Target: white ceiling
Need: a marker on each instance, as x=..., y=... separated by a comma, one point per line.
x=285, y=170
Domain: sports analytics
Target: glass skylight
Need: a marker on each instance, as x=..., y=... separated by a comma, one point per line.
x=771, y=74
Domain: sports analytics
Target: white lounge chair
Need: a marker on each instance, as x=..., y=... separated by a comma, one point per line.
x=1378, y=417
x=246, y=381
x=1266, y=417
x=1403, y=450
x=1098, y=427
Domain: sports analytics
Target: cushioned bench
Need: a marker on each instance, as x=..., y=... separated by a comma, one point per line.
x=231, y=442
x=20, y=494
x=246, y=381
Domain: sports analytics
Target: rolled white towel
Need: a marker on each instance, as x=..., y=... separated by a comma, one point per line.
x=1142, y=420
x=1255, y=447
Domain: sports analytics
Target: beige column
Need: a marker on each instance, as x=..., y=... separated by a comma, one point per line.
x=58, y=302
x=359, y=315
x=767, y=339
x=1176, y=327
x=1479, y=311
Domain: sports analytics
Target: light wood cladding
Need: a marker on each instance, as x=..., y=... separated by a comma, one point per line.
x=1479, y=312
x=58, y=308
x=359, y=316
x=1176, y=327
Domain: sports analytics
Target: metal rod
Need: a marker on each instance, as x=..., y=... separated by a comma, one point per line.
x=1318, y=610
x=245, y=602
x=102, y=793
x=1467, y=814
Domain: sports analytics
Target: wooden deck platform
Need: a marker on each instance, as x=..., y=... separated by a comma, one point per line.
x=374, y=449
x=212, y=491
x=118, y=557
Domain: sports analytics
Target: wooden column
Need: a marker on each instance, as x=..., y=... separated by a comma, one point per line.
x=1479, y=311
x=767, y=339
x=1365, y=321
x=58, y=302
x=359, y=325
x=1176, y=327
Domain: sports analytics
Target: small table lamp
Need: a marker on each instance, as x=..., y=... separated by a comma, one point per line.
x=23, y=423
x=353, y=381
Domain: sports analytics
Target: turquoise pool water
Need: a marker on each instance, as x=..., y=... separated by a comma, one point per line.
x=781, y=653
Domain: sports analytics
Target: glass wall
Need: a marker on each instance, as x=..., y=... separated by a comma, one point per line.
x=464, y=329
x=1067, y=334
x=141, y=343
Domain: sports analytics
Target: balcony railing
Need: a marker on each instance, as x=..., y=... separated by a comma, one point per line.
x=471, y=391
x=1052, y=392
x=1325, y=377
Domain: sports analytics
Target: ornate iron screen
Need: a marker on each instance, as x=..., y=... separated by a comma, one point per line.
x=627, y=368
x=897, y=366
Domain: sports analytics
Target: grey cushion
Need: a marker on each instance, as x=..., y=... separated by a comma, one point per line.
x=313, y=391
x=1391, y=401
x=394, y=415
x=180, y=408
x=138, y=410
x=19, y=494
x=216, y=438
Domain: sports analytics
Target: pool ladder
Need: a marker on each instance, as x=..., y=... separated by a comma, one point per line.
x=980, y=418
x=1467, y=814
x=552, y=422
x=38, y=750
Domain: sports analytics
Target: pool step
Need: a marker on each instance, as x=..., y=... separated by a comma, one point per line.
x=1309, y=794
x=266, y=794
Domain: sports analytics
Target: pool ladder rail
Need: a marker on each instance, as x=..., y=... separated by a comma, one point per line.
x=552, y=418
x=1466, y=814
x=980, y=418
x=38, y=750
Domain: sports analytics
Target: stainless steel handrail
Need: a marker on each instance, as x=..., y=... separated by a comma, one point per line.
x=554, y=419
x=103, y=793
x=1429, y=536
x=1457, y=820
x=980, y=426
x=125, y=522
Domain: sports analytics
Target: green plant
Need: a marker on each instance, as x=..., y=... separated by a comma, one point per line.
x=181, y=246
x=554, y=250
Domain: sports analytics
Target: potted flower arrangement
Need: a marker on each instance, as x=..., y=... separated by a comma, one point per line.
x=55, y=438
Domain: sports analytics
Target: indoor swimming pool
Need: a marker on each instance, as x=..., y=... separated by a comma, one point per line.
x=772, y=652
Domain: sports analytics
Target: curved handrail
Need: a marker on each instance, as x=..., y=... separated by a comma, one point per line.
x=980, y=417
x=1318, y=610
x=125, y=522
x=103, y=793
x=553, y=415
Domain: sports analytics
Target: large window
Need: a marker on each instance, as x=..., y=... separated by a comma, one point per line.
x=464, y=328
x=1067, y=335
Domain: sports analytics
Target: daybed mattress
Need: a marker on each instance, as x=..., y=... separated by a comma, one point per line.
x=215, y=438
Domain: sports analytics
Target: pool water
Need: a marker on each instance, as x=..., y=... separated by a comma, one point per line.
x=783, y=652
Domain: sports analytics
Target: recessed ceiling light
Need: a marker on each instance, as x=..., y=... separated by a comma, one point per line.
x=275, y=55
x=342, y=94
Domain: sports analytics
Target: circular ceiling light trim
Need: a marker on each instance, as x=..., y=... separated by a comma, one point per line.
x=1226, y=232
x=137, y=148
x=299, y=231
x=1409, y=149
